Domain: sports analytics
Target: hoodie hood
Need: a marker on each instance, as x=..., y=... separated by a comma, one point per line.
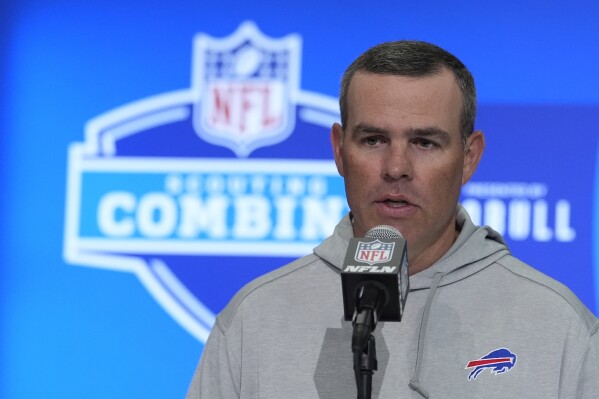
x=475, y=248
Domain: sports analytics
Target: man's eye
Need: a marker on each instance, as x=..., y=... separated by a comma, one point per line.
x=373, y=140
x=425, y=143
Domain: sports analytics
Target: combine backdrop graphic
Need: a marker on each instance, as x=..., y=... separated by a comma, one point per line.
x=208, y=186
x=216, y=184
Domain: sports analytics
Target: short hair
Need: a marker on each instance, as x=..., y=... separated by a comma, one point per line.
x=418, y=59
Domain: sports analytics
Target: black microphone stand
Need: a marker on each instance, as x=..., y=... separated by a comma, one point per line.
x=364, y=365
x=370, y=300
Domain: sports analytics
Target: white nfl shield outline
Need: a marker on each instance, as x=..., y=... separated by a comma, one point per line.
x=98, y=155
x=245, y=88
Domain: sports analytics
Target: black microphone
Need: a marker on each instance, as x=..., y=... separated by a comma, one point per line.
x=374, y=281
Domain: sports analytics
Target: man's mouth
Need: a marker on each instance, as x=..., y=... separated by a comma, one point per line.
x=395, y=203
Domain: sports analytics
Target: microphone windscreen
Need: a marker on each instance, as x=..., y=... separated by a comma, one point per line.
x=384, y=231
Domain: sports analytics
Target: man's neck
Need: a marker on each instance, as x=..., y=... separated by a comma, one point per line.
x=428, y=257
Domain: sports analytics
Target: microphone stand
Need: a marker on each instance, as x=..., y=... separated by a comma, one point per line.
x=364, y=365
x=363, y=343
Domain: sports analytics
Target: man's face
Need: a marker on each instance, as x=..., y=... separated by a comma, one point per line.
x=403, y=158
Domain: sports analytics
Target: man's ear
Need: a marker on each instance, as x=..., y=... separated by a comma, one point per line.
x=337, y=143
x=473, y=152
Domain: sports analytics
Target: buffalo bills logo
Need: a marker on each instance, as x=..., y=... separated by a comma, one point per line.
x=498, y=361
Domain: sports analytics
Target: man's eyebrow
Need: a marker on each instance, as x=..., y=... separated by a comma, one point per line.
x=428, y=132
x=362, y=128
x=431, y=132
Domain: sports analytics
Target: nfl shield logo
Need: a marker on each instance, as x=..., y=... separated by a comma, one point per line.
x=184, y=216
x=374, y=252
x=245, y=89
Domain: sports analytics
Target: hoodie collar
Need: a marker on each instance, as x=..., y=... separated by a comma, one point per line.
x=475, y=246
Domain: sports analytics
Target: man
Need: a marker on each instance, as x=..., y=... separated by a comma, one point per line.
x=478, y=322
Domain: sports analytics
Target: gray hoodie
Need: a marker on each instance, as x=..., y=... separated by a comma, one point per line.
x=477, y=323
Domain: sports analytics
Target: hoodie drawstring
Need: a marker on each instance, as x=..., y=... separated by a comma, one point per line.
x=415, y=381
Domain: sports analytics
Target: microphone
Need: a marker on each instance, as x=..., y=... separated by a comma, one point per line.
x=374, y=281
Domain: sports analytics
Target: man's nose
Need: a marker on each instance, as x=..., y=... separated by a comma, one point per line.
x=397, y=163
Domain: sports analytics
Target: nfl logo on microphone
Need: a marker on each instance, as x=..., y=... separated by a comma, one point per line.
x=374, y=252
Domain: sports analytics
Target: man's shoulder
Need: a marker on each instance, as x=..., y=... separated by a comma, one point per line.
x=269, y=280
x=553, y=289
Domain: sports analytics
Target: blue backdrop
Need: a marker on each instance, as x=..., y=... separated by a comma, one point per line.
x=111, y=329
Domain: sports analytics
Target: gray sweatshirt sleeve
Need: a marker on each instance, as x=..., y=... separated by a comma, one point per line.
x=588, y=387
x=218, y=374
